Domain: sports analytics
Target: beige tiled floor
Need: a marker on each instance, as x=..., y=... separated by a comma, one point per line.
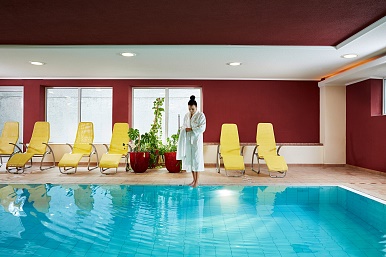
x=371, y=183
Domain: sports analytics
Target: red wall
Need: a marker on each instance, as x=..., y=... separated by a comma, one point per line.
x=292, y=106
x=34, y=106
x=366, y=141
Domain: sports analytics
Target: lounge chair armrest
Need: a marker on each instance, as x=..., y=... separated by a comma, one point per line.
x=96, y=153
x=69, y=146
x=24, y=144
x=278, y=149
x=107, y=147
x=93, y=147
x=18, y=148
x=253, y=155
x=255, y=151
x=242, y=150
x=218, y=158
x=48, y=146
x=50, y=152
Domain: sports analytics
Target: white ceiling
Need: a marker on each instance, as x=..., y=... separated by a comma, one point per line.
x=192, y=61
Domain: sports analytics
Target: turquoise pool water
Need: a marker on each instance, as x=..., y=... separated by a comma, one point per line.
x=109, y=220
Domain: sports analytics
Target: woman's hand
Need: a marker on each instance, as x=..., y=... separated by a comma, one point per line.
x=188, y=129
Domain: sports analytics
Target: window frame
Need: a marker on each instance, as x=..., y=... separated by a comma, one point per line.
x=17, y=89
x=166, y=103
x=384, y=97
x=79, y=116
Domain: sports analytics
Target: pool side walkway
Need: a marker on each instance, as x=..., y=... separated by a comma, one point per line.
x=369, y=182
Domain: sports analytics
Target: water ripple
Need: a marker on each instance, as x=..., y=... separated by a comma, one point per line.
x=48, y=220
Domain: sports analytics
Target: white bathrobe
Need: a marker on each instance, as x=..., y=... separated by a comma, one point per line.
x=190, y=147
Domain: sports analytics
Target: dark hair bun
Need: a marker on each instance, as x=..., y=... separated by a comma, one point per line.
x=192, y=101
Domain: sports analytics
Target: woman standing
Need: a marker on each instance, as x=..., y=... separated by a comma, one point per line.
x=190, y=142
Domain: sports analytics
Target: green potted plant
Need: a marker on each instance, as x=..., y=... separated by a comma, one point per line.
x=152, y=145
x=139, y=154
x=154, y=137
x=146, y=146
x=170, y=152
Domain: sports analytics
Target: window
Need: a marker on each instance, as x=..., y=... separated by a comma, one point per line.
x=176, y=106
x=11, y=107
x=66, y=107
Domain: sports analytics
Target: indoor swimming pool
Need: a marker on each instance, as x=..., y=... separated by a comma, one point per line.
x=135, y=220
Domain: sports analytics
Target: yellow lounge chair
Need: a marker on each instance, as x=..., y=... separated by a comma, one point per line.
x=8, y=140
x=83, y=147
x=37, y=147
x=118, y=148
x=266, y=149
x=229, y=150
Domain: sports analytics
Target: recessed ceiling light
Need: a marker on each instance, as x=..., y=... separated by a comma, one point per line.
x=234, y=63
x=349, y=56
x=128, y=54
x=36, y=63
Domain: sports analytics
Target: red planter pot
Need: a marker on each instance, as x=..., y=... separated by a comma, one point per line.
x=139, y=161
x=172, y=165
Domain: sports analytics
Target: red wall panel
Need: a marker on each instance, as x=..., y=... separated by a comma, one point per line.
x=34, y=106
x=292, y=106
x=376, y=97
x=121, y=103
x=366, y=143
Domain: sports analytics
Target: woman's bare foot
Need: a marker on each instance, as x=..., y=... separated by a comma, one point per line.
x=195, y=185
x=192, y=183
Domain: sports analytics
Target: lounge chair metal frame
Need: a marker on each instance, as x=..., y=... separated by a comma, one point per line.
x=94, y=151
x=10, y=155
x=35, y=155
x=102, y=170
x=256, y=153
x=218, y=162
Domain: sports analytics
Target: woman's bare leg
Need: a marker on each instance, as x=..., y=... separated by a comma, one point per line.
x=196, y=180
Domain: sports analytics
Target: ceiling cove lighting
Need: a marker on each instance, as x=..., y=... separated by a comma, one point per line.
x=349, y=56
x=126, y=54
x=234, y=63
x=37, y=63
